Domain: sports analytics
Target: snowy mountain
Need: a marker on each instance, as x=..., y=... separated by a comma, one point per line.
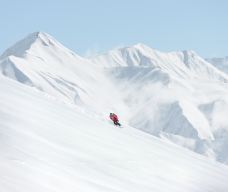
x=220, y=63
x=42, y=62
x=55, y=107
x=175, y=96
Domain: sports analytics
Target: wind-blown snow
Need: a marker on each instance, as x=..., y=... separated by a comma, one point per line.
x=59, y=102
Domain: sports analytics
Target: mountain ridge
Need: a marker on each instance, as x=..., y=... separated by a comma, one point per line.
x=181, y=63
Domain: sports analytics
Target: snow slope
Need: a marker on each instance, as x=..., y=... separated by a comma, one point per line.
x=48, y=145
x=176, y=96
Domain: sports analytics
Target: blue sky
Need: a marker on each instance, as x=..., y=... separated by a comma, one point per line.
x=95, y=26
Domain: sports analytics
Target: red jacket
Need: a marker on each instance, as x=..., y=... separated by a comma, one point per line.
x=114, y=117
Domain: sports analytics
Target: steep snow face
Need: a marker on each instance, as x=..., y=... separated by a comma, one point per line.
x=220, y=63
x=185, y=119
x=215, y=112
x=47, y=145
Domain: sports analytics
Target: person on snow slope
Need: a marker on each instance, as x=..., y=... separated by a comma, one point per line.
x=114, y=118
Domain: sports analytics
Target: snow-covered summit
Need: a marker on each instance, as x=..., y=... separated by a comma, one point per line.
x=33, y=40
x=22, y=46
x=41, y=61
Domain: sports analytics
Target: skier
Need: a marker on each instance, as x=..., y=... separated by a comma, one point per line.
x=114, y=118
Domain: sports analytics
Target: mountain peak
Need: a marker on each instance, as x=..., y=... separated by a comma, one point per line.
x=189, y=53
x=37, y=35
x=141, y=46
x=34, y=39
x=44, y=37
x=138, y=47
